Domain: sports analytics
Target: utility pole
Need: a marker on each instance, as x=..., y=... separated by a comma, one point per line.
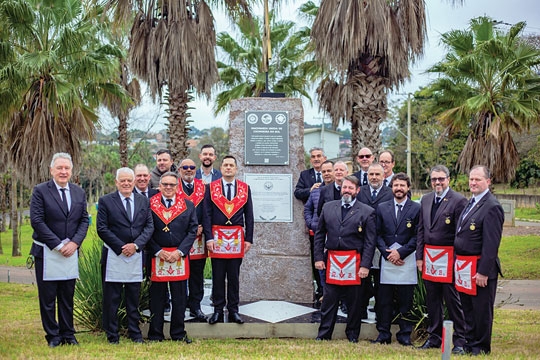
x=409, y=168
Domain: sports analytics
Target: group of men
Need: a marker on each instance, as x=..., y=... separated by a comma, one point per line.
x=368, y=239
x=165, y=222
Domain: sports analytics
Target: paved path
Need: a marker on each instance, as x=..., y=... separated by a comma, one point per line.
x=511, y=294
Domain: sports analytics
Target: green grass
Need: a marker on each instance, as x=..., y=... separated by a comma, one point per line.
x=519, y=257
x=528, y=214
x=515, y=336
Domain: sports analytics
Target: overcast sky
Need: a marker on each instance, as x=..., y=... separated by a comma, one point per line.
x=442, y=17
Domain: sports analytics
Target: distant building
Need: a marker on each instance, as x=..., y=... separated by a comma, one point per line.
x=326, y=139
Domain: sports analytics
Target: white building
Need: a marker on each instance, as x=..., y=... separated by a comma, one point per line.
x=323, y=138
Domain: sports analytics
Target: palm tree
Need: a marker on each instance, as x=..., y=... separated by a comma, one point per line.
x=488, y=84
x=368, y=45
x=54, y=71
x=242, y=70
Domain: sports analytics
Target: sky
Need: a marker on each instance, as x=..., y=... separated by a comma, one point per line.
x=441, y=17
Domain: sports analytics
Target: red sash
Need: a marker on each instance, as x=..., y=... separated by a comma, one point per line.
x=198, y=192
x=342, y=267
x=438, y=262
x=163, y=271
x=465, y=269
x=229, y=208
x=228, y=242
x=167, y=214
x=198, y=250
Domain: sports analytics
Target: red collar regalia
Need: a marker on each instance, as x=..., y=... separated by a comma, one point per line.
x=229, y=208
x=167, y=214
x=198, y=193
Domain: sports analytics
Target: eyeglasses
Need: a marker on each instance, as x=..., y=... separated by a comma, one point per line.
x=385, y=162
x=190, y=167
x=439, y=179
x=168, y=185
x=364, y=156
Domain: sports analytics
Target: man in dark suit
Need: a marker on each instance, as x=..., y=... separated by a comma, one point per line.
x=175, y=229
x=387, y=161
x=439, y=214
x=347, y=231
x=207, y=173
x=332, y=191
x=397, y=222
x=364, y=159
x=193, y=190
x=311, y=178
x=478, y=236
x=124, y=223
x=142, y=181
x=60, y=222
x=372, y=195
x=228, y=229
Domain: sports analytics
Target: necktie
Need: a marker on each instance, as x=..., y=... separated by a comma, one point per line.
x=338, y=188
x=128, y=209
x=385, y=182
x=229, y=192
x=364, y=181
x=319, y=179
x=189, y=188
x=435, y=207
x=469, y=207
x=143, y=193
x=437, y=200
x=169, y=203
x=64, y=199
x=373, y=195
x=344, y=210
x=399, y=212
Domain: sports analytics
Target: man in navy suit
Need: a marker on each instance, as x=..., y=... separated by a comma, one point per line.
x=228, y=229
x=397, y=222
x=364, y=159
x=142, y=181
x=333, y=191
x=60, y=222
x=347, y=231
x=206, y=172
x=439, y=214
x=311, y=178
x=387, y=161
x=478, y=236
x=124, y=223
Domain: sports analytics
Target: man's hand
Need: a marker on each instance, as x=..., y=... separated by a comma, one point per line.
x=319, y=265
x=247, y=246
x=481, y=280
x=420, y=264
x=199, y=230
x=68, y=249
x=363, y=272
x=210, y=245
x=315, y=186
x=393, y=256
x=129, y=249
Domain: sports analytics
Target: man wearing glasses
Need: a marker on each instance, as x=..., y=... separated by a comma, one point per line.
x=439, y=214
x=364, y=159
x=386, y=159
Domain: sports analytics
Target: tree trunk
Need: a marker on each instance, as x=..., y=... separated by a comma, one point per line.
x=16, y=249
x=178, y=124
x=123, y=139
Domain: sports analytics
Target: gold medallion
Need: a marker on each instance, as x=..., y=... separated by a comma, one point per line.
x=229, y=207
x=472, y=227
x=409, y=225
x=359, y=229
x=447, y=221
x=167, y=215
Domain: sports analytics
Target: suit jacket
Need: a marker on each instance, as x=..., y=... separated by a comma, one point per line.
x=199, y=208
x=360, y=176
x=389, y=231
x=304, y=184
x=484, y=238
x=442, y=231
x=50, y=221
x=310, y=209
x=328, y=193
x=384, y=194
x=114, y=227
x=214, y=216
x=150, y=192
x=355, y=232
x=216, y=174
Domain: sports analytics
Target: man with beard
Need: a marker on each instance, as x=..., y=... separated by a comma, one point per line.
x=142, y=180
x=439, y=214
x=364, y=159
x=207, y=173
x=164, y=163
x=311, y=178
x=193, y=190
x=397, y=222
x=347, y=231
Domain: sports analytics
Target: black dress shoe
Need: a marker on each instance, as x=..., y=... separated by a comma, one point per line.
x=459, y=350
x=198, y=315
x=405, y=342
x=71, y=341
x=55, y=343
x=429, y=345
x=381, y=341
x=353, y=340
x=215, y=318
x=184, y=339
x=235, y=317
x=343, y=308
x=138, y=341
x=114, y=342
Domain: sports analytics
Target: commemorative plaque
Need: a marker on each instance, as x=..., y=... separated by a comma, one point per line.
x=267, y=138
x=272, y=197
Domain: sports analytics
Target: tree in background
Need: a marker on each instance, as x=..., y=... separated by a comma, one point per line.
x=487, y=83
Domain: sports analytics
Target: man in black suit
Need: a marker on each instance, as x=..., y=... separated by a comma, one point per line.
x=193, y=190
x=387, y=161
x=439, y=214
x=478, y=236
x=124, y=223
x=332, y=191
x=311, y=178
x=142, y=181
x=175, y=229
x=206, y=172
x=372, y=195
x=347, y=231
x=397, y=222
x=364, y=159
x=60, y=222
x=228, y=229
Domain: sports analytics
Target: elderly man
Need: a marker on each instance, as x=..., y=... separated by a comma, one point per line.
x=124, y=223
x=164, y=163
x=364, y=159
x=206, y=172
x=333, y=191
x=386, y=159
x=142, y=181
x=311, y=178
x=60, y=222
